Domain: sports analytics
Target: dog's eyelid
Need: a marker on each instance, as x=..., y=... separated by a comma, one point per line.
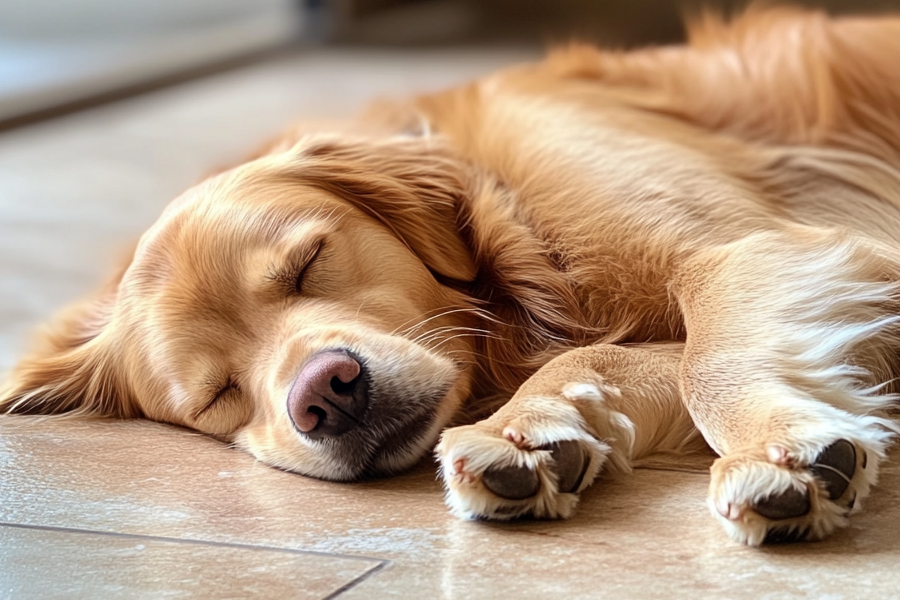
x=306, y=263
x=222, y=390
x=228, y=408
x=288, y=276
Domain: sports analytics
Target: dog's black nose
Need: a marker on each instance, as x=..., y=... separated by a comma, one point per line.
x=329, y=395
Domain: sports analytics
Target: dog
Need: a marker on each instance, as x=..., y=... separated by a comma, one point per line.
x=576, y=264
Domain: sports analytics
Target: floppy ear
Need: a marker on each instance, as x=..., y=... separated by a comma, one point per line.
x=72, y=370
x=410, y=185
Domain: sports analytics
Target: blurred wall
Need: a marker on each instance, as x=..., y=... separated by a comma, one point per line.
x=58, y=52
x=612, y=22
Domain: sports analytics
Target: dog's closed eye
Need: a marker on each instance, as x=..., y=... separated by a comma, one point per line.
x=225, y=412
x=291, y=276
x=305, y=262
x=229, y=387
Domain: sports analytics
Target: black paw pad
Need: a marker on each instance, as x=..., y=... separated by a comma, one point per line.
x=512, y=483
x=787, y=505
x=571, y=464
x=785, y=535
x=835, y=467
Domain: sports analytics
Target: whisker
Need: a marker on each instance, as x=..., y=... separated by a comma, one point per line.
x=426, y=337
x=452, y=337
x=412, y=328
x=399, y=330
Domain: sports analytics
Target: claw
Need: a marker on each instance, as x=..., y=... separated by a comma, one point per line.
x=514, y=436
x=778, y=455
x=730, y=511
x=459, y=471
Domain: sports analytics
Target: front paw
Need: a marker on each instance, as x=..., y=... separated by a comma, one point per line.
x=775, y=496
x=534, y=461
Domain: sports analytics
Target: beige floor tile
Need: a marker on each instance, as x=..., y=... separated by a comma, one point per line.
x=648, y=535
x=44, y=564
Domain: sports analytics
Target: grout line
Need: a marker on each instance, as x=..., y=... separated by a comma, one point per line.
x=351, y=584
x=381, y=562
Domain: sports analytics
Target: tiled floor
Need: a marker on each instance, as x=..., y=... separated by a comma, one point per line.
x=137, y=509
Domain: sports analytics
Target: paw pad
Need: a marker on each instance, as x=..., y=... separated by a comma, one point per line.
x=835, y=467
x=788, y=505
x=512, y=483
x=571, y=464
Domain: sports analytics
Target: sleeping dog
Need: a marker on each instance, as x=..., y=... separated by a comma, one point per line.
x=577, y=263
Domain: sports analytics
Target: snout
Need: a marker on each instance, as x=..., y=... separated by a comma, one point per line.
x=329, y=396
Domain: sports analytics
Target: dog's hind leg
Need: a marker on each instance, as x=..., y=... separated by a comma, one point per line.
x=593, y=408
x=791, y=338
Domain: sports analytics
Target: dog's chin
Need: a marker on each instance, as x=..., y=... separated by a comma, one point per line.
x=391, y=445
x=407, y=447
x=351, y=458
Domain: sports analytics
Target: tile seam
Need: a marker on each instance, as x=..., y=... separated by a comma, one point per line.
x=358, y=580
x=255, y=547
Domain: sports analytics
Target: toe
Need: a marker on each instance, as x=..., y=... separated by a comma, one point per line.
x=787, y=505
x=512, y=483
x=835, y=467
x=570, y=463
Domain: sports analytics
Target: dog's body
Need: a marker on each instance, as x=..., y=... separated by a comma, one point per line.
x=701, y=238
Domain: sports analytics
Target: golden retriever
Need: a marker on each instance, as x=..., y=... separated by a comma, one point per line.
x=628, y=251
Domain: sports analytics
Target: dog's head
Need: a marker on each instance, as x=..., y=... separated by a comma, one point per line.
x=298, y=305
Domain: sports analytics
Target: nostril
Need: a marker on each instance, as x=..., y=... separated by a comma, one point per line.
x=320, y=415
x=342, y=388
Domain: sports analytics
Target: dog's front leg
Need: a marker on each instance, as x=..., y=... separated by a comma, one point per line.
x=788, y=340
x=590, y=409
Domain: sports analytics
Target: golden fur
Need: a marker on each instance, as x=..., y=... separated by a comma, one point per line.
x=699, y=238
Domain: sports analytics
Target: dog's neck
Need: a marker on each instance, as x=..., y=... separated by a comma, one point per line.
x=526, y=302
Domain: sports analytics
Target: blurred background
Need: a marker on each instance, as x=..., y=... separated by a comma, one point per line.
x=59, y=53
